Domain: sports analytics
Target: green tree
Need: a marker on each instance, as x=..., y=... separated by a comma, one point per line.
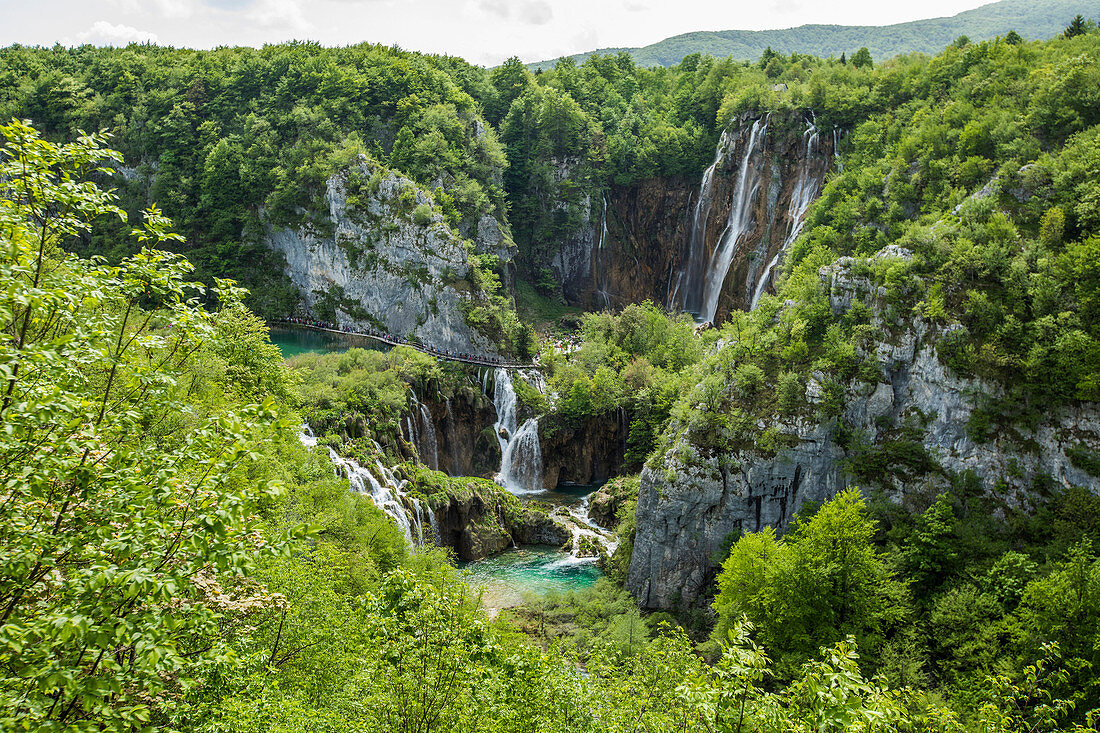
x=821, y=582
x=1077, y=27
x=862, y=59
x=127, y=512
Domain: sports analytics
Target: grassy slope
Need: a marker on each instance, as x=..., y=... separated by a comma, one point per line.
x=1033, y=19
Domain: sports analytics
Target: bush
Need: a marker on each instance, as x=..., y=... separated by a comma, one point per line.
x=422, y=215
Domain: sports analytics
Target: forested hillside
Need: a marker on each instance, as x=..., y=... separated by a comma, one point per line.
x=1033, y=19
x=865, y=499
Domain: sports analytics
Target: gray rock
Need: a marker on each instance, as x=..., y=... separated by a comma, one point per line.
x=391, y=270
x=689, y=503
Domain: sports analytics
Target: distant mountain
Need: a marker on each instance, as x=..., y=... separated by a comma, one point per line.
x=1032, y=19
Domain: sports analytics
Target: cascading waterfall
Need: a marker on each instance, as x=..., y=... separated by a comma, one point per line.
x=805, y=190
x=683, y=292
x=452, y=438
x=582, y=527
x=738, y=224
x=600, y=268
x=429, y=446
x=387, y=498
x=420, y=431
x=521, y=454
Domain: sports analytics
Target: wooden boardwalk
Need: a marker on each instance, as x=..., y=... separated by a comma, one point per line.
x=475, y=360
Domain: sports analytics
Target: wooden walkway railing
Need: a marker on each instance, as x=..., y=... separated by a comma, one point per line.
x=391, y=341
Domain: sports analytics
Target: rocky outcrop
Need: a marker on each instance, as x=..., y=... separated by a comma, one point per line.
x=604, y=504
x=476, y=518
x=592, y=452
x=387, y=260
x=691, y=501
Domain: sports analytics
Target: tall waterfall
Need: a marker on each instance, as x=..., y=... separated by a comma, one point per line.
x=805, y=190
x=600, y=269
x=738, y=224
x=521, y=454
x=429, y=446
x=420, y=429
x=685, y=292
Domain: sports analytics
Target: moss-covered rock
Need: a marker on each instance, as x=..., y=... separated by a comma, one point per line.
x=605, y=504
x=476, y=518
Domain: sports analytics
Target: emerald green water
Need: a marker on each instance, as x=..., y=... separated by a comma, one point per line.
x=295, y=341
x=537, y=570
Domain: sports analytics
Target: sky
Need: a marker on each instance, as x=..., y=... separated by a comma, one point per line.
x=481, y=31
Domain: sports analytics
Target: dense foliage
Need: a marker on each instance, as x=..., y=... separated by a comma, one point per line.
x=174, y=558
x=235, y=139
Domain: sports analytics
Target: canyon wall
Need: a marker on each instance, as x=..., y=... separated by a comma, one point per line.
x=691, y=502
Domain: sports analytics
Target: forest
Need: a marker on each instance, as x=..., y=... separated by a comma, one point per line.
x=175, y=556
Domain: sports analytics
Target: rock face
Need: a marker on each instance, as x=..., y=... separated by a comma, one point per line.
x=388, y=262
x=593, y=452
x=690, y=502
x=465, y=442
x=657, y=239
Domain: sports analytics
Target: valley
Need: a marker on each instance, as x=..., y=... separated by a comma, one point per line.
x=717, y=396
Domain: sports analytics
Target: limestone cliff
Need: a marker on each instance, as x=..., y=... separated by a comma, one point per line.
x=386, y=259
x=705, y=247
x=691, y=501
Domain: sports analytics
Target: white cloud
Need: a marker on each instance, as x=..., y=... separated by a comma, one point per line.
x=285, y=15
x=532, y=12
x=633, y=6
x=536, y=12
x=499, y=8
x=167, y=8
x=103, y=33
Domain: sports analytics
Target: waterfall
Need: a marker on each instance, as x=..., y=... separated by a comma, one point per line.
x=692, y=272
x=581, y=527
x=421, y=433
x=387, y=493
x=419, y=521
x=452, y=439
x=805, y=191
x=521, y=454
x=429, y=446
x=307, y=437
x=436, y=534
x=738, y=224
x=599, y=270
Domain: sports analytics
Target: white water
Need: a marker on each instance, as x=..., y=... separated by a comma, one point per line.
x=307, y=437
x=805, y=190
x=420, y=431
x=429, y=447
x=738, y=224
x=600, y=268
x=385, y=497
x=692, y=272
x=521, y=455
